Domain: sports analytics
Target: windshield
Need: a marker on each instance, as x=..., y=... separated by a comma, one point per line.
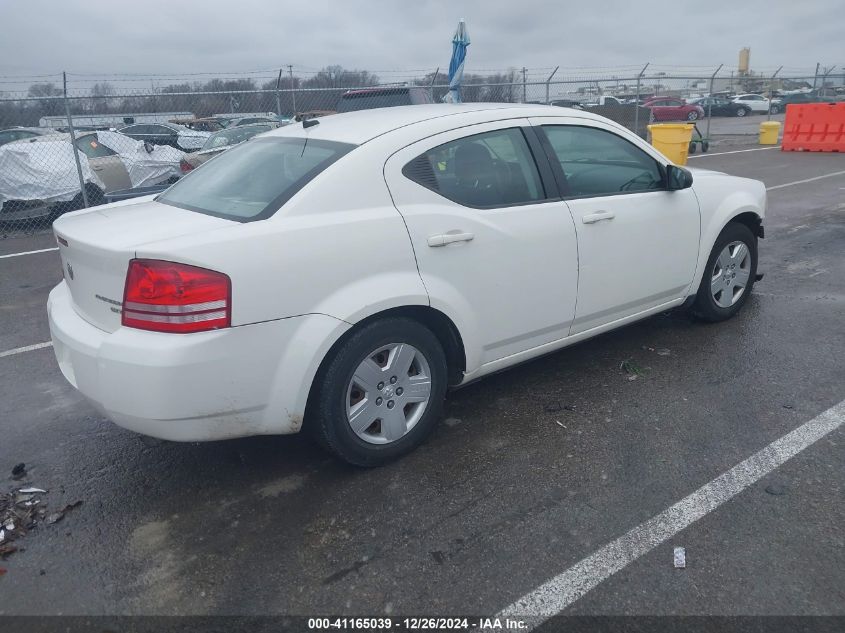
x=253, y=180
x=233, y=136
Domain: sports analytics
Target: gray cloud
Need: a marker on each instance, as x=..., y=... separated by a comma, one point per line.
x=158, y=36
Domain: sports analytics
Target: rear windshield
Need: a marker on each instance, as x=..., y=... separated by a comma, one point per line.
x=253, y=180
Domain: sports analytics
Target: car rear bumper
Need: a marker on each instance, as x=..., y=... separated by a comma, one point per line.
x=234, y=382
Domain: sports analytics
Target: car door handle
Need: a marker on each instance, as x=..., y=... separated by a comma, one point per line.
x=449, y=238
x=96, y=168
x=592, y=218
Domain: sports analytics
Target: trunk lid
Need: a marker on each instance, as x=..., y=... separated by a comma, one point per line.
x=96, y=245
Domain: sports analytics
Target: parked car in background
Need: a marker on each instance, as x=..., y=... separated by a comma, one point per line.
x=221, y=141
x=39, y=179
x=19, y=133
x=779, y=103
x=602, y=100
x=257, y=296
x=249, y=120
x=170, y=134
x=673, y=109
x=383, y=97
x=205, y=124
x=757, y=103
x=567, y=103
x=719, y=106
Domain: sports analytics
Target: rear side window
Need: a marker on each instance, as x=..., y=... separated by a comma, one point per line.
x=599, y=163
x=493, y=169
x=252, y=180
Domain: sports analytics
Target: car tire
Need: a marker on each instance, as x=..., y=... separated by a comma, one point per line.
x=692, y=116
x=346, y=388
x=775, y=109
x=727, y=262
x=741, y=112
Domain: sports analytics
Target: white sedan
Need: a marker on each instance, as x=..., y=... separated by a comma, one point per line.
x=340, y=275
x=757, y=103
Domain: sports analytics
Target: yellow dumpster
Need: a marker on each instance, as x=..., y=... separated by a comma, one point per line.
x=769, y=131
x=672, y=139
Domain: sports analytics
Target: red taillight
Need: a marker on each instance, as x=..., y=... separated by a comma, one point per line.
x=185, y=166
x=170, y=297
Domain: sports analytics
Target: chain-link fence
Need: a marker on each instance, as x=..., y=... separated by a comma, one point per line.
x=76, y=141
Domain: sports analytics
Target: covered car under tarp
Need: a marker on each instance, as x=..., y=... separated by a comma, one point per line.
x=42, y=171
x=145, y=168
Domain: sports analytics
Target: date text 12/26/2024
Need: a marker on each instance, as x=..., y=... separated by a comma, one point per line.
x=416, y=624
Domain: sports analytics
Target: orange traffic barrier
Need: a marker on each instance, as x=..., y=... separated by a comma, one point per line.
x=814, y=127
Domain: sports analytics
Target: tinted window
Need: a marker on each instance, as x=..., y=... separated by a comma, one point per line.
x=493, y=169
x=596, y=162
x=251, y=181
x=92, y=148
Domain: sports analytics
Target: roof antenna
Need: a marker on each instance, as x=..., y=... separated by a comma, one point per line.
x=306, y=123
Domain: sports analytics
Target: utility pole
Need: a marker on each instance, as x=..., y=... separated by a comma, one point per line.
x=524, y=85
x=73, y=143
x=292, y=91
x=816, y=75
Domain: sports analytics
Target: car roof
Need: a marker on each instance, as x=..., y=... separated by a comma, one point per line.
x=363, y=125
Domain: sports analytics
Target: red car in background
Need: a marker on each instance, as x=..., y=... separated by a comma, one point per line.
x=673, y=109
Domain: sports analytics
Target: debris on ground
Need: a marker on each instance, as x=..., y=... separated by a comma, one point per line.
x=631, y=368
x=776, y=489
x=452, y=421
x=21, y=511
x=662, y=351
x=559, y=423
x=556, y=407
x=680, y=556
x=19, y=471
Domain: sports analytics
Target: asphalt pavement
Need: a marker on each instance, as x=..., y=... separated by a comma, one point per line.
x=533, y=469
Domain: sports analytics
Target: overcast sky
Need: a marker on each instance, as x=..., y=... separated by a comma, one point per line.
x=183, y=36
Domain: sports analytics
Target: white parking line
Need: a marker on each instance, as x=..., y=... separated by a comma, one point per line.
x=557, y=594
x=737, y=151
x=801, y=182
x=28, y=348
x=43, y=250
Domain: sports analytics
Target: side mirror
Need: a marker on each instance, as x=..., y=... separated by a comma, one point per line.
x=678, y=178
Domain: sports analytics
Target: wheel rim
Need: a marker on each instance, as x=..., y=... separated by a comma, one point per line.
x=388, y=393
x=692, y=116
x=730, y=274
x=740, y=112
